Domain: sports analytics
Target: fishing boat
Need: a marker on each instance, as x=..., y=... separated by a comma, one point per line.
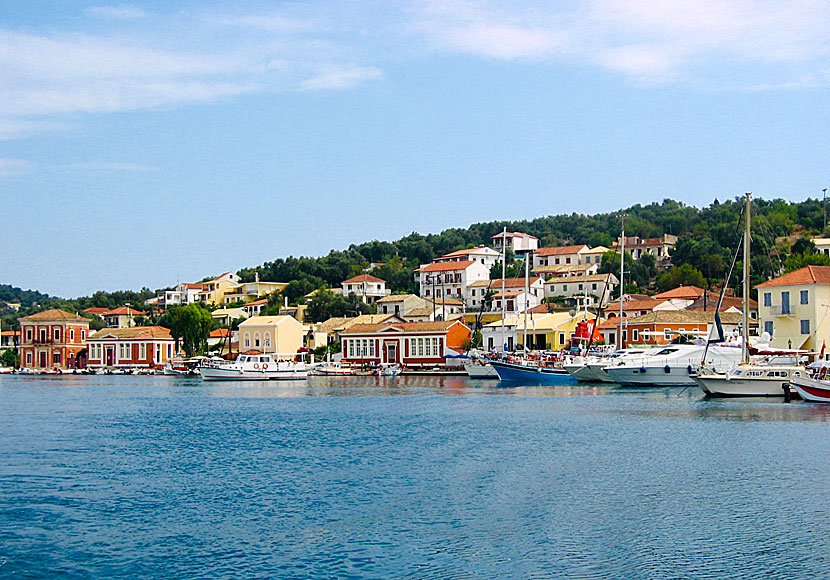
x=527, y=372
x=249, y=367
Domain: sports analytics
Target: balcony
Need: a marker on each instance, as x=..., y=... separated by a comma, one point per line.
x=780, y=310
x=39, y=341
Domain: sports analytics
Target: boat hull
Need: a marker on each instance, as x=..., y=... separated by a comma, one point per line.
x=812, y=389
x=477, y=371
x=589, y=373
x=512, y=372
x=724, y=386
x=220, y=374
x=628, y=376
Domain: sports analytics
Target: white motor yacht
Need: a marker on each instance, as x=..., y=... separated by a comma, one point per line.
x=258, y=367
x=769, y=377
x=673, y=365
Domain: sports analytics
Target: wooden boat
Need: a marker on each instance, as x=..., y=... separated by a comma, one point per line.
x=531, y=373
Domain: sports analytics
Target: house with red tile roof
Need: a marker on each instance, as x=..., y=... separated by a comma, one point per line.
x=130, y=348
x=794, y=308
x=478, y=290
x=660, y=327
x=366, y=287
x=450, y=279
x=53, y=339
x=122, y=317
x=412, y=344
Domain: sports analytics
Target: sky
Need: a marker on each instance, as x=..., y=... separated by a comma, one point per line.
x=150, y=143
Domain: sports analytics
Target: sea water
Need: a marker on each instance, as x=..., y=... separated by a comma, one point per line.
x=405, y=477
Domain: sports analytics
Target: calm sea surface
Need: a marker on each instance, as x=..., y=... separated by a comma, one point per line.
x=405, y=477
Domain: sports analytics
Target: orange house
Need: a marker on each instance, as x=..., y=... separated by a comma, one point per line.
x=134, y=347
x=53, y=339
x=412, y=344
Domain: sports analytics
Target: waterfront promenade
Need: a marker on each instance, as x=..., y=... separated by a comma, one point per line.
x=404, y=477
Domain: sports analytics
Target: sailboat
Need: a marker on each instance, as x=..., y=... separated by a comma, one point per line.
x=768, y=377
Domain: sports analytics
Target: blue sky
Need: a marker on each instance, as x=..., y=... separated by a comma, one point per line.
x=147, y=143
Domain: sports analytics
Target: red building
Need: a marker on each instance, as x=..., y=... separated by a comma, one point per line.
x=53, y=339
x=134, y=347
x=412, y=344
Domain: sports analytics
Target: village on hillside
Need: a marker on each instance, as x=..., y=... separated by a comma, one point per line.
x=562, y=303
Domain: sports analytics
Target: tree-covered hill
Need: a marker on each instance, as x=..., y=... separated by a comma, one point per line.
x=708, y=236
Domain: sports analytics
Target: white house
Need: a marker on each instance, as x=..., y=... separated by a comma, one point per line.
x=514, y=301
x=517, y=241
x=483, y=254
x=822, y=245
x=365, y=286
x=183, y=294
x=450, y=279
x=559, y=256
x=581, y=286
x=478, y=290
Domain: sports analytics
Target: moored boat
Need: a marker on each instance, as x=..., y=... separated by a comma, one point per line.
x=478, y=368
x=750, y=380
x=259, y=367
x=813, y=390
x=531, y=373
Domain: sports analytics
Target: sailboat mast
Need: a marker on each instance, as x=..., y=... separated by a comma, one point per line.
x=503, y=272
x=527, y=291
x=622, y=281
x=745, y=341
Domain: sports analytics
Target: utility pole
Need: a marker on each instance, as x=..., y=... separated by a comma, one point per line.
x=825, y=209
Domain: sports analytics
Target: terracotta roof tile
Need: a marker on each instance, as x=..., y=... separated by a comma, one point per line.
x=800, y=277
x=54, y=314
x=682, y=292
x=123, y=311
x=447, y=266
x=134, y=332
x=363, y=278
x=560, y=250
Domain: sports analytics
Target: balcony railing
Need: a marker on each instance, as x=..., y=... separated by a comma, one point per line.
x=780, y=310
x=43, y=341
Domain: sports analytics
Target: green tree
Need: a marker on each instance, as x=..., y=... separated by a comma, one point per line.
x=190, y=325
x=798, y=261
x=9, y=359
x=683, y=275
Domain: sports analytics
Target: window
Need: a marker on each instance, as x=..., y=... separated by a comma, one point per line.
x=805, y=327
x=57, y=335
x=247, y=340
x=351, y=349
x=28, y=359
x=667, y=334
x=564, y=287
x=580, y=287
x=83, y=335
x=142, y=351
x=785, y=303
x=635, y=334
x=587, y=259
x=562, y=338
x=594, y=286
x=267, y=340
x=28, y=335
x=767, y=298
x=56, y=358
x=72, y=333
x=805, y=299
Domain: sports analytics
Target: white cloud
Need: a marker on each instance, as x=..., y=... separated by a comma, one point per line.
x=117, y=12
x=646, y=39
x=341, y=78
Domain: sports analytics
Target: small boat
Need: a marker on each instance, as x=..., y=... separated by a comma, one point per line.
x=530, y=373
x=260, y=367
x=334, y=369
x=388, y=370
x=479, y=368
x=814, y=390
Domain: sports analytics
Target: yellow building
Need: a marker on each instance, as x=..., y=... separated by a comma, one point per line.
x=213, y=292
x=794, y=308
x=545, y=331
x=280, y=335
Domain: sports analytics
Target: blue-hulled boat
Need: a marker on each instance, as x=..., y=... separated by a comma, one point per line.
x=533, y=374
